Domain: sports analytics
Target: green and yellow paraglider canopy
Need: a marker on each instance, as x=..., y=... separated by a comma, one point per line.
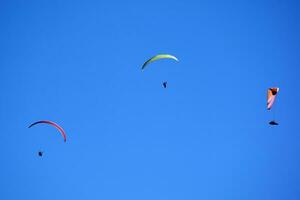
x=158, y=57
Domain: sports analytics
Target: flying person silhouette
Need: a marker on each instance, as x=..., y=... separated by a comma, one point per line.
x=165, y=84
x=40, y=153
x=273, y=123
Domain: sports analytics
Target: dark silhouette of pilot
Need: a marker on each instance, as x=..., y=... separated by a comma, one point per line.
x=165, y=84
x=273, y=123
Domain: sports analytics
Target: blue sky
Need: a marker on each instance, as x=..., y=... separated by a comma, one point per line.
x=204, y=137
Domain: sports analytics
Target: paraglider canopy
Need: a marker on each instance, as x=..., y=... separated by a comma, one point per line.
x=61, y=130
x=272, y=92
x=157, y=57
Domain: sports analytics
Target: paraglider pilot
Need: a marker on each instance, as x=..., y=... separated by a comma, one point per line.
x=165, y=84
x=273, y=123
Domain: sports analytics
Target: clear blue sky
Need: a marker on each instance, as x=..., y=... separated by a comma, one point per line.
x=204, y=137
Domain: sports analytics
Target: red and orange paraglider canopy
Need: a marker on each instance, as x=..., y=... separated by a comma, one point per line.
x=61, y=130
x=272, y=92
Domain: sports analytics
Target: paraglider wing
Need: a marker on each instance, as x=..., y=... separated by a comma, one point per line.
x=157, y=57
x=53, y=124
x=272, y=92
x=270, y=103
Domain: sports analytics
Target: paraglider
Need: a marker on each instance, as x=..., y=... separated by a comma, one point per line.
x=40, y=153
x=271, y=96
x=165, y=84
x=157, y=57
x=61, y=130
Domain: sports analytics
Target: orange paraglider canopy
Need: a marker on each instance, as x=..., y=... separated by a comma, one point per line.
x=272, y=92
